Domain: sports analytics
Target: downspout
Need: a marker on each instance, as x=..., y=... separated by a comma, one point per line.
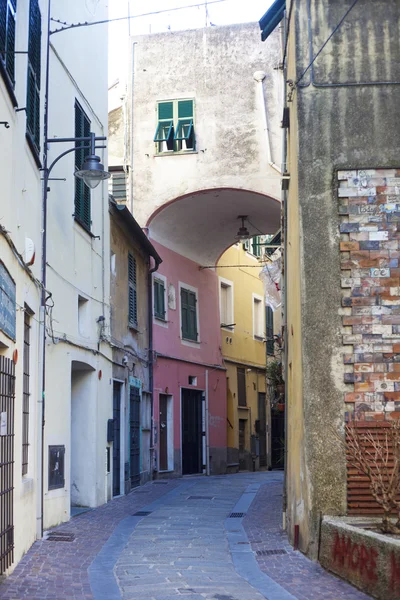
x=259, y=76
x=150, y=360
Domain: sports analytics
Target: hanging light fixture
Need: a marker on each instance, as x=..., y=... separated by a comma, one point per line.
x=243, y=233
x=92, y=171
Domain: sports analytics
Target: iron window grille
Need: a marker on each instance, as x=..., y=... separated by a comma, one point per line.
x=82, y=191
x=33, y=85
x=189, y=315
x=175, y=126
x=56, y=467
x=270, y=330
x=132, y=292
x=8, y=10
x=159, y=299
x=26, y=393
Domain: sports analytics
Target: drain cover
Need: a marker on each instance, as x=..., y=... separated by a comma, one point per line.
x=236, y=515
x=160, y=482
x=142, y=513
x=271, y=552
x=200, y=498
x=60, y=536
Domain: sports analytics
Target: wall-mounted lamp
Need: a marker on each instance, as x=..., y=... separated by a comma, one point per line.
x=243, y=233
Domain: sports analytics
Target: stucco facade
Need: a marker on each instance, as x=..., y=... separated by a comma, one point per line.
x=77, y=398
x=340, y=120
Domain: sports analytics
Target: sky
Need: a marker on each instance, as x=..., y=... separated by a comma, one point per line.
x=225, y=12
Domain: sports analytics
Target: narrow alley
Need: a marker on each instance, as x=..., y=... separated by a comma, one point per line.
x=189, y=539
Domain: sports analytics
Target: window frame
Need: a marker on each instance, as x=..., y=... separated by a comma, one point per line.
x=7, y=56
x=132, y=291
x=160, y=316
x=82, y=198
x=192, y=290
x=226, y=283
x=34, y=78
x=260, y=326
x=173, y=140
x=241, y=399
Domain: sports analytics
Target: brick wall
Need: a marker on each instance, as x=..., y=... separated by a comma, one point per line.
x=369, y=207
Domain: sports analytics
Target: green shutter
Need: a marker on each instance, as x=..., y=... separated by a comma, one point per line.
x=33, y=85
x=185, y=109
x=165, y=110
x=7, y=36
x=159, y=301
x=82, y=191
x=270, y=330
x=132, y=291
x=189, y=315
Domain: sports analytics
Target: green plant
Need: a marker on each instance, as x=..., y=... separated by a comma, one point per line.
x=274, y=373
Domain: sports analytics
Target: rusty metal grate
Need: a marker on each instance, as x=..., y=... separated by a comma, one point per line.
x=142, y=513
x=201, y=497
x=237, y=515
x=60, y=536
x=7, y=396
x=274, y=552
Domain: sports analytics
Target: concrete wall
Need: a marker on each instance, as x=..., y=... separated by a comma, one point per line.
x=207, y=65
x=338, y=127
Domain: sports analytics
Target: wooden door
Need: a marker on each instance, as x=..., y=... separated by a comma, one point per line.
x=163, y=432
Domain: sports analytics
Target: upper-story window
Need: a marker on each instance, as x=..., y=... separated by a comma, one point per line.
x=82, y=191
x=159, y=298
x=189, y=317
x=132, y=292
x=175, y=126
x=7, y=37
x=253, y=245
x=33, y=85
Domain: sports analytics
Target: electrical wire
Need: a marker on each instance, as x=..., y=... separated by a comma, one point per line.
x=326, y=42
x=157, y=12
x=287, y=33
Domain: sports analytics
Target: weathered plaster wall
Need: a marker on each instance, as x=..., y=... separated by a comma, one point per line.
x=208, y=65
x=337, y=128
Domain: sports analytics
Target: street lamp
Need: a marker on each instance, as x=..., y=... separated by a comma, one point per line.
x=92, y=171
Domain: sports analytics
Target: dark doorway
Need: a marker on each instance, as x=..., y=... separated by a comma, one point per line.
x=278, y=440
x=191, y=432
x=117, y=439
x=243, y=455
x=134, y=435
x=163, y=432
x=262, y=434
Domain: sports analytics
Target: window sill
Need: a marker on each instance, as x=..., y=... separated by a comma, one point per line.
x=83, y=226
x=8, y=84
x=258, y=338
x=180, y=153
x=133, y=327
x=243, y=407
x=190, y=340
x=33, y=150
x=161, y=319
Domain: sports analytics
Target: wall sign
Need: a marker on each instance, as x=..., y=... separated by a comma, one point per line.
x=7, y=303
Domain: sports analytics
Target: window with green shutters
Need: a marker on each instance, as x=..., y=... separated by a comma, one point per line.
x=253, y=245
x=33, y=84
x=132, y=292
x=159, y=299
x=189, y=315
x=175, y=126
x=7, y=36
x=270, y=330
x=82, y=191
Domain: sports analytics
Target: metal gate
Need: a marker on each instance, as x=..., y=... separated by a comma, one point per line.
x=117, y=439
x=134, y=434
x=192, y=446
x=7, y=396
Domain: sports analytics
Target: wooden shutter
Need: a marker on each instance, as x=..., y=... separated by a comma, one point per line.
x=165, y=111
x=82, y=191
x=33, y=86
x=185, y=109
x=159, y=302
x=241, y=386
x=189, y=315
x=270, y=329
x=132, y=291
x=7, y=36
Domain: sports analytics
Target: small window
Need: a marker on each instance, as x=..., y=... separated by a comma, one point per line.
x=82, y=191
x=83, y=316
x=258, y=319
x=189, y=315
x=56, y=467
x=192, y=380
x=33, y=85
x=7, y=37
x=226, y=304
x=254, y=245
x=175, y=126
x=270, y=330
x=132, y=292
x=159, y=299
x=241, y=386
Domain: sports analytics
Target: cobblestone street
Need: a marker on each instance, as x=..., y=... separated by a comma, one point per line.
x=186, y=546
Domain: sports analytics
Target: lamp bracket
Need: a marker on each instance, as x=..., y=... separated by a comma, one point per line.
x=6, y=124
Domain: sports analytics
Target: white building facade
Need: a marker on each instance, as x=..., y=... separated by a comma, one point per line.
x=55, y=452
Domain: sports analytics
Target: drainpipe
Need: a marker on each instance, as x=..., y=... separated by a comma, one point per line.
x=151, y=378
x=259, y=76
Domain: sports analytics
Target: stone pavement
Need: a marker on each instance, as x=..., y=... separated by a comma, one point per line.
x=187, y=547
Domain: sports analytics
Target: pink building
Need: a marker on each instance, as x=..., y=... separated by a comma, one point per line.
x=189, y=376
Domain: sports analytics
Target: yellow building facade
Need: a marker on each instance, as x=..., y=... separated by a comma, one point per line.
x=247, y=329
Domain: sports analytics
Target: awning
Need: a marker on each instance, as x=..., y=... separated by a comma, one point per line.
x=272, y=18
